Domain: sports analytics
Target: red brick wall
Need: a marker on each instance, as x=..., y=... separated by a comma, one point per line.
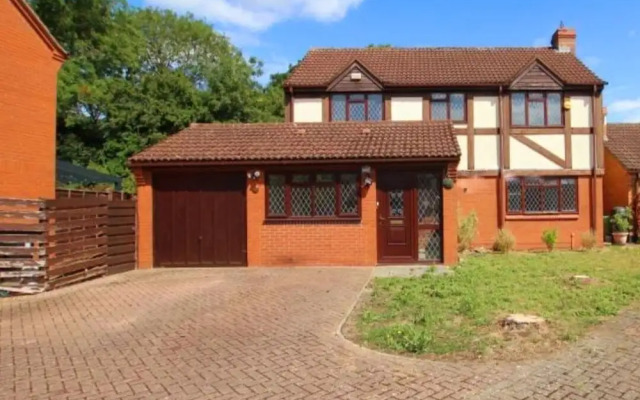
x=617, y=182
x=28, y=77
x=306, y=244
x=481, y=194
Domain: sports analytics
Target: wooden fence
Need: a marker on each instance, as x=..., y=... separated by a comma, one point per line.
x=45, y=244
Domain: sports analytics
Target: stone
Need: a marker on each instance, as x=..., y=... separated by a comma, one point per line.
x=584, y=279
x=522, y=321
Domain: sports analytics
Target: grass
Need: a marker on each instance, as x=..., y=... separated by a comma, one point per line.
x=458, y=314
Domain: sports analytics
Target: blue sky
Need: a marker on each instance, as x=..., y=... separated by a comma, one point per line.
x=280, y=31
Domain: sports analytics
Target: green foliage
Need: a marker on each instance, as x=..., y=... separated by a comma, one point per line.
x=550, y=238
x=135, y=76
x=504, y=242
x=622, y=221
x=467, y=230
x=589, y=240
x=460, y=312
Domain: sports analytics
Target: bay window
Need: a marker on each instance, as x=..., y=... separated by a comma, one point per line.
x=320, y=195
x=536, y=109
x=448, y=106
x=357, y=107
x=542, y=195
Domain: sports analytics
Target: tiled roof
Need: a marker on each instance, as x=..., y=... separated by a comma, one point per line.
x=624, y=143
x=305, y=142
x=432, y=67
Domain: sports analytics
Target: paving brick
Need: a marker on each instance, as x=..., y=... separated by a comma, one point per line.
x=263, y=334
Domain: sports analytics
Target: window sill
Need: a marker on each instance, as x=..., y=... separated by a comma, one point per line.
x=542, y=217
x=311, y=221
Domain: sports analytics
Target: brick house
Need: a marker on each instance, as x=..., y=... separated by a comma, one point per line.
x=31, y=58
x=382, y=148
x=622, y=167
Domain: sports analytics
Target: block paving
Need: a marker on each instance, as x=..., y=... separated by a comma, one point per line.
x=264, y=334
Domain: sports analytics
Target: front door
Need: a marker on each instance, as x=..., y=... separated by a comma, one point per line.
x=396, y=231
x=409, y=217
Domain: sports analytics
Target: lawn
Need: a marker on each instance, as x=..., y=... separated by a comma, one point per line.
x=458, y=315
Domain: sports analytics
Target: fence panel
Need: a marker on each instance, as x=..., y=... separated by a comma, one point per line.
x=121, y=232
x=22, y=246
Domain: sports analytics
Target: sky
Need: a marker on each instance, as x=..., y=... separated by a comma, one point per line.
x=279, y=32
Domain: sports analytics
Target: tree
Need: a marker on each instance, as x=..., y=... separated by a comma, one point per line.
x=137, y=75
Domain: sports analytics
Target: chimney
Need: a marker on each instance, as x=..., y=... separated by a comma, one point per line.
x=564, y=40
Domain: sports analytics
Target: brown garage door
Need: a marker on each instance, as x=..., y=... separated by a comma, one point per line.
x=199, y=219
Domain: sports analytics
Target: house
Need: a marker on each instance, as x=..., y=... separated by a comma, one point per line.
x=381, y=150
x=31, y=58
x=622, y=166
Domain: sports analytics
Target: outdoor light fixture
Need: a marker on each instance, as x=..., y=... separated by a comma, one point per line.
x=366, y=175
x=254, y=175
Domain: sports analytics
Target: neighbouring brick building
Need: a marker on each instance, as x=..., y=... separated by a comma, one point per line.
x=622, y=167
x=30, y=60
x=381, y=149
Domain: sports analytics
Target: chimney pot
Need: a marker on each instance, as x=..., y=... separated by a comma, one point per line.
x=564, y=40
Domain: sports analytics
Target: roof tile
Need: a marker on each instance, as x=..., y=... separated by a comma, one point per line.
x=312, y=142
x=437, y=67
x=623, y=141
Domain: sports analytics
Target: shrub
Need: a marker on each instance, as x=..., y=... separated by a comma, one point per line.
x=550, y=237
x=505, y=241
x=589, y=240
x=467, y=230
x=622, y=221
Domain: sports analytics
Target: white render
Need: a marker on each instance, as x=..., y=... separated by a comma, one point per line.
x=582, y=151
x=307, y=110
x=406, y=108
x=486, y=152
x=581, y=112
x=554, y=143
x=485, y=112
x=464, y=150
x=524, y=157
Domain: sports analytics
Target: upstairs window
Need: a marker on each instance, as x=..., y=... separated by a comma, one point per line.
x=357, y=107
x=542, y=195
x=536, y=109
x=321, y=195
x=448, y=106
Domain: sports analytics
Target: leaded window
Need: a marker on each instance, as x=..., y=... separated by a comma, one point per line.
x=542, y=195
x=536, y=109
x=357, y=107
x=319, y=195
x=448, y=106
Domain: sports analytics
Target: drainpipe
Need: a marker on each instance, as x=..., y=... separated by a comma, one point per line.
x=501, y=162
x=594, y=153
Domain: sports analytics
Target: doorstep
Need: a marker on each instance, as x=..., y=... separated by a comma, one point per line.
x=408, y=270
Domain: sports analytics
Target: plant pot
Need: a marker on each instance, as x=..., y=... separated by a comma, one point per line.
x=620, y=238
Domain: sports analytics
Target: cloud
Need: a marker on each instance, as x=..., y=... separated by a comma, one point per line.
x=625, y=110
x=620, y=106
x=243, y=38
x=259, y=15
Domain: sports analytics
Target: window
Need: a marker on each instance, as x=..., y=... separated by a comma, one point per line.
x=356, y=107
x=536, y=109
x=542, y=195
x=445, y=106
x=313, y=195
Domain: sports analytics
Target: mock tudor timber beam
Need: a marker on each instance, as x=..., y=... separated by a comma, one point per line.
x=540, y=150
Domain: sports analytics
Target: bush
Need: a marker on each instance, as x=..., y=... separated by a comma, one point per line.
x=467, y=230
x=622, y=221
x=589, y=240
x=550, y=237
x=505, y=241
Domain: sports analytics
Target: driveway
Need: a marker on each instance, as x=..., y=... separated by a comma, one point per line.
x=263, y=334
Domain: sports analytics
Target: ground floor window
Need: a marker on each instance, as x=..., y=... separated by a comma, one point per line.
x=318, y=195
x=542, y=195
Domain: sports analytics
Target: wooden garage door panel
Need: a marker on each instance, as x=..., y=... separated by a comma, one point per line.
x=205, y=215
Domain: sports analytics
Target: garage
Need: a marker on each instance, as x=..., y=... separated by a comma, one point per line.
x=199, y=219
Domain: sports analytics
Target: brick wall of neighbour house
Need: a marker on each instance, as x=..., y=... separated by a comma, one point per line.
x=481, y=194
x=618, y=183
x=28, y=78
